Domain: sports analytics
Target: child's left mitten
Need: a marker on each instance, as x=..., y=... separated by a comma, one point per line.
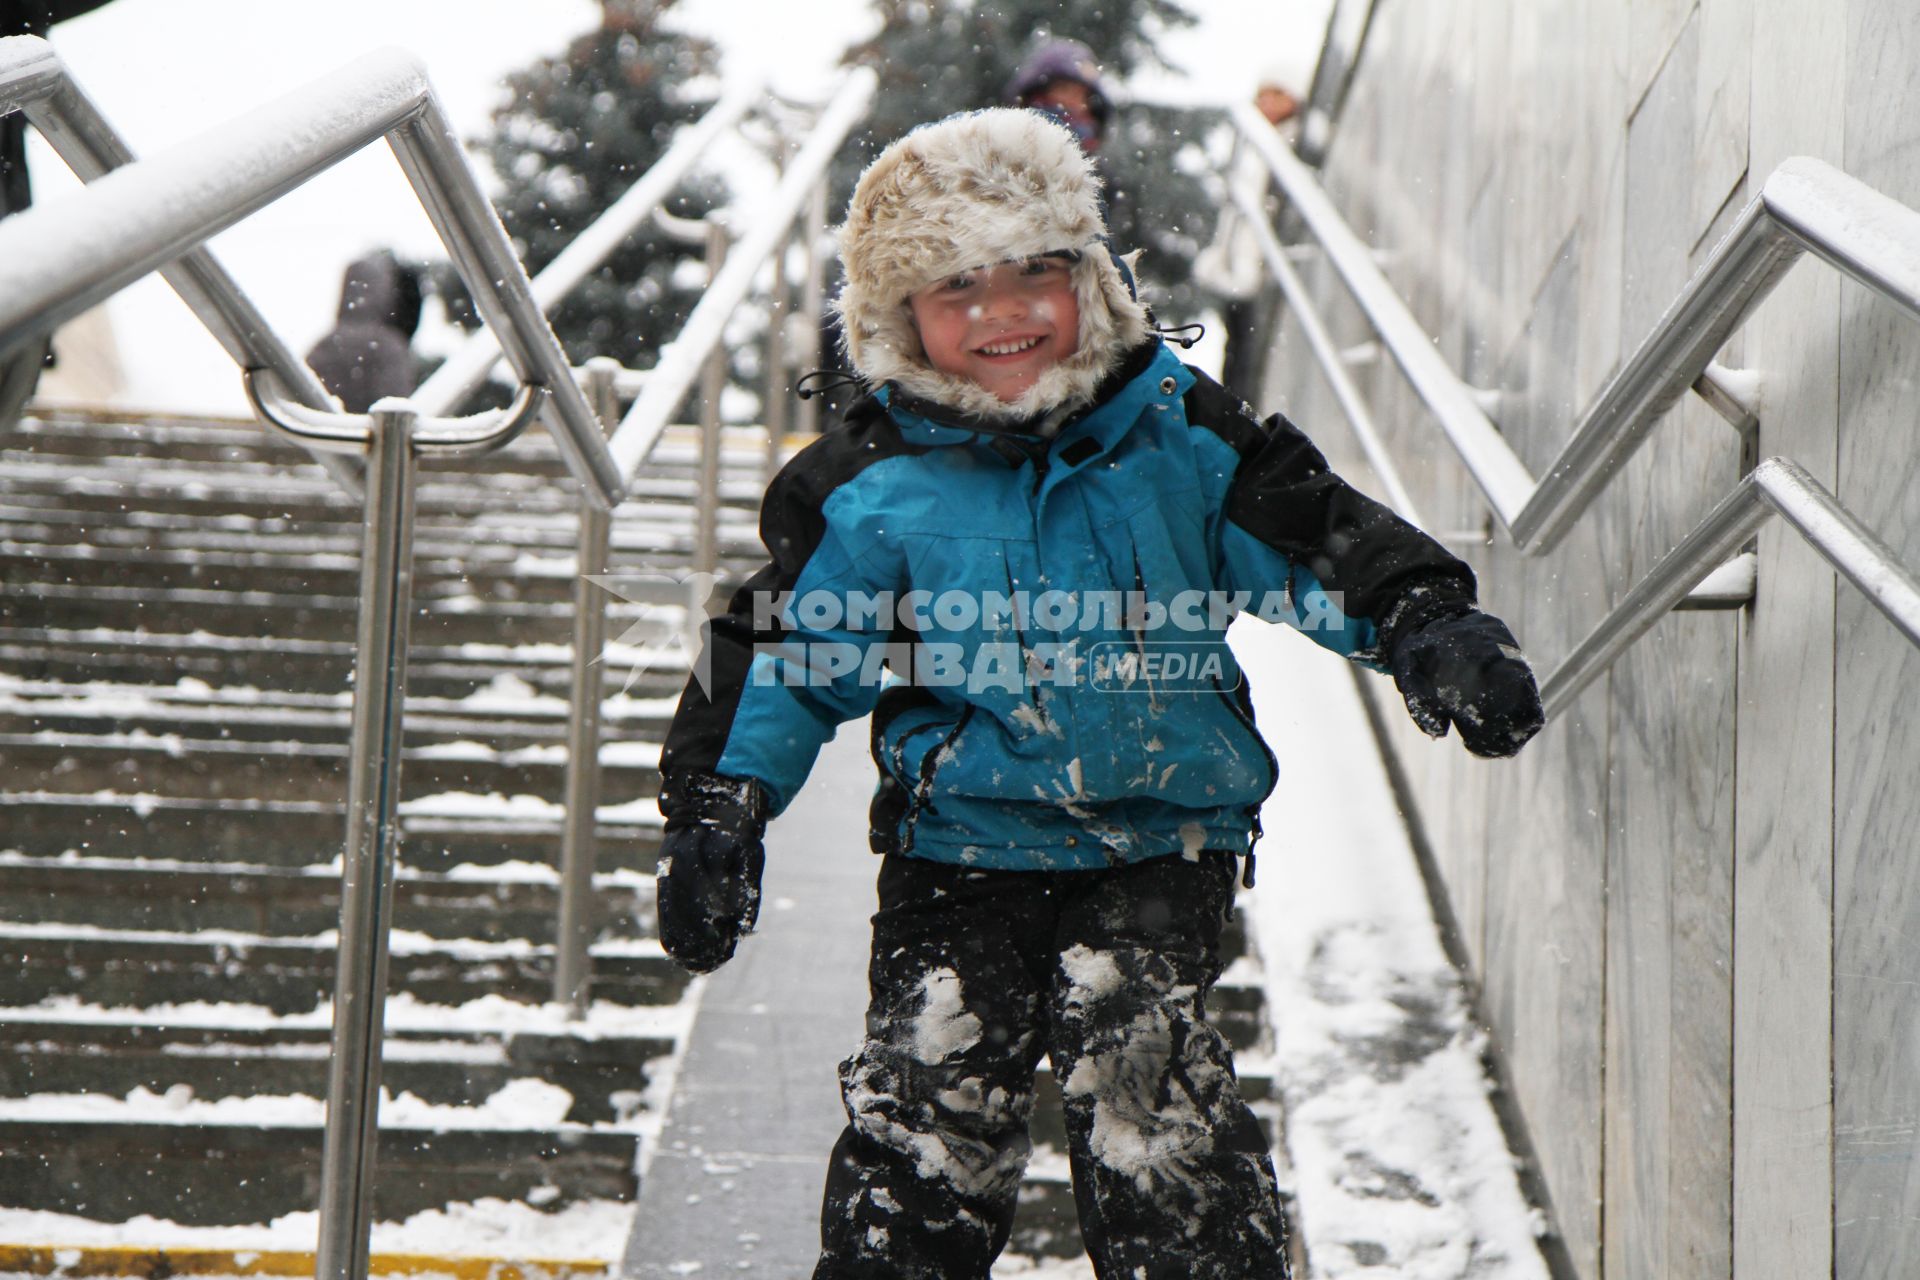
x=1468, y=671
x=707, y=882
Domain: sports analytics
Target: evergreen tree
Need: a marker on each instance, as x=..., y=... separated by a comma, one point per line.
x=935, y=57
x=575, y=133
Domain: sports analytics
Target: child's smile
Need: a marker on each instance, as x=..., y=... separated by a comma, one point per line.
x=1001, y=326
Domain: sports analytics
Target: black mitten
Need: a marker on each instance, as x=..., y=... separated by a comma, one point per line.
x=1468, y=671
x=707, y=884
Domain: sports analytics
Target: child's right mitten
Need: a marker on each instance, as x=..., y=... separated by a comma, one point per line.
x=707, y=882
x=1468, y=671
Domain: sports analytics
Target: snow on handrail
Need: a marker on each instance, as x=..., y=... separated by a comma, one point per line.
x=468, y=367
x=672, y=377
x=1502, y=477
x=58, y=259
x=35, y=81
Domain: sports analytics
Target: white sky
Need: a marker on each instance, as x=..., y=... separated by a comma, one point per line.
x=166, y=70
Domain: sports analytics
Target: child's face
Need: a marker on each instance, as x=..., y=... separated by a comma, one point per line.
x=1001, y=326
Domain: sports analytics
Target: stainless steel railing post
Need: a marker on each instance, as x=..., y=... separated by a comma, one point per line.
x=813, y=296
x=713, y=381
x=773, y=407
x=366, y=881
x=573, y=927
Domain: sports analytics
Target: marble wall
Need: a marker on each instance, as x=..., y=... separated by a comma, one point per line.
x=1692, y=905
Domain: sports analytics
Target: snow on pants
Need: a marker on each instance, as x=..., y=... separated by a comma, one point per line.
x=974, y=975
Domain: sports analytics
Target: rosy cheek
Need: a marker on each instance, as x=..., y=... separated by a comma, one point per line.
x=1044, y=310
x=974, y=313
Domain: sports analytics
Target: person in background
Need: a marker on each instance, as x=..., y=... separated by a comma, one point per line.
x=369, y=353
x=1231, y=266
x=1062, y=79
x=20, y=371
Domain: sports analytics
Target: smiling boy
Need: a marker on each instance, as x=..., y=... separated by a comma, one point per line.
x=1034, y=503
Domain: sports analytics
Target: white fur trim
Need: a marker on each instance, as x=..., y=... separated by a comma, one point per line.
x=972, y=190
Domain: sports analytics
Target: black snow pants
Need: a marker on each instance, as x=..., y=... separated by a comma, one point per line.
x=976, y=974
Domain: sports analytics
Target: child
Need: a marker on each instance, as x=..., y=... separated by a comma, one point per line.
x=1024, y=519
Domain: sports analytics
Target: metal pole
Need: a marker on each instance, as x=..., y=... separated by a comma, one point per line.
x=773, y=409
x=812, y=303
x=713, y=381
x=366, y=882
x=573, y=928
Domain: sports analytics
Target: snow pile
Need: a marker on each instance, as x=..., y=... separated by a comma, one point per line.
x=1400, y=1166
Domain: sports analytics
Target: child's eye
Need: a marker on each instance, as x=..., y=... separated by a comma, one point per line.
x=1036, y=266
x=957, y=283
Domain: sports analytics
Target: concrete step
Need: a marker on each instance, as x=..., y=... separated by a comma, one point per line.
x=311, y=495
x=508, y=576
x=52, y=707
x=449, y=1067
x=436, y=835
x=131, y=968
x=117, y=893
x=208, y=1175
x=178, y=766
x=457, y=621
x=110, y=437
x=642, y=534
x=296, y=664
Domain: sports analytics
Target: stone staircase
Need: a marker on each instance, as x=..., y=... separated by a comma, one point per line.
x=177, y=606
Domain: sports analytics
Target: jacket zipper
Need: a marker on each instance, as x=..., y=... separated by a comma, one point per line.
x=923, y=790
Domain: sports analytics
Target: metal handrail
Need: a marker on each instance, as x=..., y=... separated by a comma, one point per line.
x=58, y=259
x=680, y=363
x=1805, y=205
x=33, y=80
x=1777, y=486
x=1348, y=23
x=467, y=368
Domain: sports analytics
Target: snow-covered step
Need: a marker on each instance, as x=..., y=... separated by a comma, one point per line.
x=438, y=833
x=269, y=722
x=642, y=533
x=174, y=764
x=254, y=1169
x=60, y=707
x=605, y=1076
x=110, y=436
x=513, y=576
x=291, y=975
x=502, y=903
x=445, y=621
x=160, y=484
x=119, y=654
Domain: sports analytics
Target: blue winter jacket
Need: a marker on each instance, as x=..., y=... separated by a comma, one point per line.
x=1061, y=695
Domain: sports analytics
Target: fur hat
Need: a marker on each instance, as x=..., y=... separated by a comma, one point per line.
x=966, y=192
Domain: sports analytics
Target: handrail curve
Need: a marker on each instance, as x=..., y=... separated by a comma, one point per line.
x=353, y=432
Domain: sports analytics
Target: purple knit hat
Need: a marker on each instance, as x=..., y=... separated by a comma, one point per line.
x=1061, y=60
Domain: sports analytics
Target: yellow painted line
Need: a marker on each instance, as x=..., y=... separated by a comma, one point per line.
x=155, y=1264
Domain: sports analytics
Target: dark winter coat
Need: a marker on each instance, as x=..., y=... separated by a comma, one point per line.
x=1166, y=485
x=368, y=356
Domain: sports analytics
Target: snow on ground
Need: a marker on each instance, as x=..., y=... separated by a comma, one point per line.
x=1400, y=1167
